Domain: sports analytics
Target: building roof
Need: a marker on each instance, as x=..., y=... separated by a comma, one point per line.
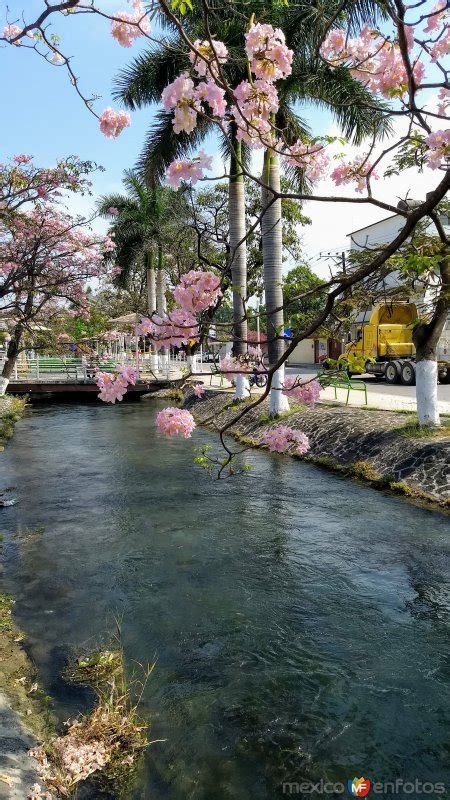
x=372, y=224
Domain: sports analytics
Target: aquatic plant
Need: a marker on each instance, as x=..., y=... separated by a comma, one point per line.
x=104, y=744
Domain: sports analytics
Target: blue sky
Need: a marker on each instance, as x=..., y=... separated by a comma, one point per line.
x=47, y=119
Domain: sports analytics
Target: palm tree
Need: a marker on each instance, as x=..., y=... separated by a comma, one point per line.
x=138, y=219
x=144, y=80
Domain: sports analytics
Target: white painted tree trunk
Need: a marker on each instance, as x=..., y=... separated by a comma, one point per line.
x=278, y=403
x=426, y=393
x=3, y=385
x=272, y=247
x=192, y=363
x=161, y=306
x=151, y=291
x=242, y=387
x=236, y=210
x=151, y=305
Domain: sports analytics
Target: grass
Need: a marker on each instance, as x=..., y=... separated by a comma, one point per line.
x=233, y=404
x=266, y=419
x=104, y=745
x=15, y=407
x=6, y=621
x=18, y=676
x=174, y=394
x=412, y=430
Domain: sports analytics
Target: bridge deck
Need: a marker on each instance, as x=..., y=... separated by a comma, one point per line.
x=35, y=388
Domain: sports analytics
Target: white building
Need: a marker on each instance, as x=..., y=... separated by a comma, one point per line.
x=383, y=232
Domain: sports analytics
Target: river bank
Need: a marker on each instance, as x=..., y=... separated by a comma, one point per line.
x=382, y=448
x=24, y=716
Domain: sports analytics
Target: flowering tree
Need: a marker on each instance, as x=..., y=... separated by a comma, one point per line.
x=400, y=68
x=46, y=257
x=22, y=183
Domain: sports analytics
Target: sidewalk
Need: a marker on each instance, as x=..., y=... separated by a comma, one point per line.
x=378, y=400
x=382, y=401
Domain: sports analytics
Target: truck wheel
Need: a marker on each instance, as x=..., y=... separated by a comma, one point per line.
x=444, y=376
x=391, y=372
x=408, y=374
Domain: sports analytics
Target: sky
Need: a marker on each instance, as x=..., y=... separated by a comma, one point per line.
x=46, y=118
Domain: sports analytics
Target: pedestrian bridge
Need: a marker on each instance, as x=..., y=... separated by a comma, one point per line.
x=43, y=376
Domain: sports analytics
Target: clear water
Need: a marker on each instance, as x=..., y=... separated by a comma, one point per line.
x=301, y=622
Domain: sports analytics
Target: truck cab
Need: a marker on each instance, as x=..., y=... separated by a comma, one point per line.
x=385, y=344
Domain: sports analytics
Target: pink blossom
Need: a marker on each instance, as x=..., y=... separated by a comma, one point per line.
x=257, y=99
x=279, y=438
x=192, y=170
x=373, y=60
x=22, y=159
x=114, y=386
x=179, y=96
x=129, y=374
x=108, y=245
x=11, y=31
x=197, y=291
x=113, y=122
x=256, y=102
x=444, y=97
x=442, y=46
x=438, y=152
x=255, y=131
x=184, y=119
x=199, y=390
x=334, y=44
x=354, y=171
x=181, y=89
x=409, y=34
x=175, y=328
x=266, y=49
x=112, y=211
x=214, y=95
x=128, y=27
x=312, y=158
x=172, y=421
x=248, y=362
x=436, y=15
x=304, y=392
x=212, y=53
x=229, y=367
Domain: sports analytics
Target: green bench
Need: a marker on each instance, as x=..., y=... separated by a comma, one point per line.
x=341, y=381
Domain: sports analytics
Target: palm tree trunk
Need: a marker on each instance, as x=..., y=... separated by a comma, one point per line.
x=161, y=305
x=272, y=247
x=151, y=300
x=238, y=248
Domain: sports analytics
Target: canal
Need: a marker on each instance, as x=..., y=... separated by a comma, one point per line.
x=300, y=621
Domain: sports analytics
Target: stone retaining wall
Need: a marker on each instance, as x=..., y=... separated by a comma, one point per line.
x=343, y=437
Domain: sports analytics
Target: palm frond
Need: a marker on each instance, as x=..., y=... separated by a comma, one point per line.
x=163, y=146
x=123, y=204
x=143, y=81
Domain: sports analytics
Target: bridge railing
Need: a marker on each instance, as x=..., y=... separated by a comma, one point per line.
x=44, y=368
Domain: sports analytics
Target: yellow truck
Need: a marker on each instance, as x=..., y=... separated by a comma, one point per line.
x=386, y=341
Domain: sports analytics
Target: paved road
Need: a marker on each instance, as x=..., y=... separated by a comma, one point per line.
x=396, y=389
x=373, y=386
x=380, y=394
